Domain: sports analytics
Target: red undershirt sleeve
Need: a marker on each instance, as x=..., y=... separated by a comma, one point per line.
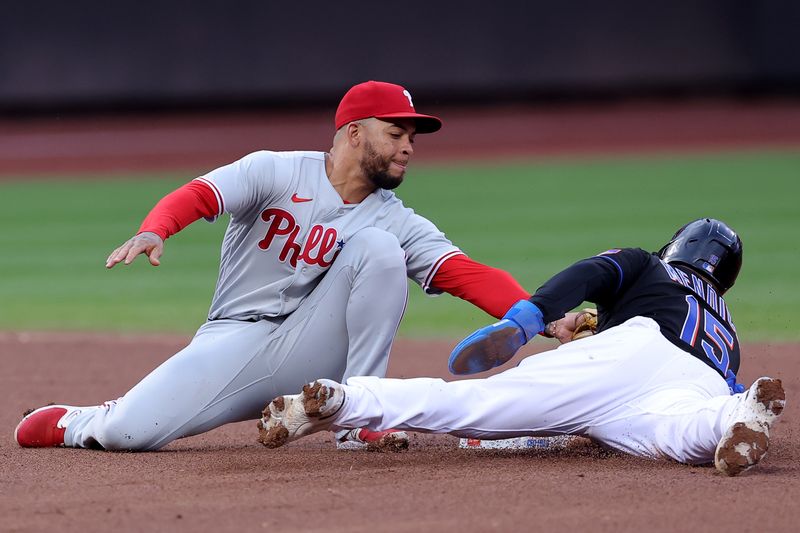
x=488, y=288
x=178, y=209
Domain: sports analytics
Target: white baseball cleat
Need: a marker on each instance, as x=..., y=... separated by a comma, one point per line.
x=746, y=441
x=288, y=418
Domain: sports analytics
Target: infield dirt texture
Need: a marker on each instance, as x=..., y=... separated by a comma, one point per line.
x=226, y=481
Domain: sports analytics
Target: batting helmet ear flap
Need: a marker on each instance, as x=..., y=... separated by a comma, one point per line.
x=709, y=247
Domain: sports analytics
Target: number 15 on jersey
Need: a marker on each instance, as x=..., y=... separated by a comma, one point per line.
x=715, y=339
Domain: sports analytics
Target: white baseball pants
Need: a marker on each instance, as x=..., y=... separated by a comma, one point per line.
x=628, y=388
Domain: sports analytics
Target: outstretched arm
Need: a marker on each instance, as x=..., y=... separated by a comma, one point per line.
x=488, y=288
x=191, y=202
x=588, y=280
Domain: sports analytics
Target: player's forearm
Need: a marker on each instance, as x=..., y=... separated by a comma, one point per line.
x=589, y=280
x=178, y=209
x=491, y=289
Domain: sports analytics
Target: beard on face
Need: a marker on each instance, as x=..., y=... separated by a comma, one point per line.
x=376, y=168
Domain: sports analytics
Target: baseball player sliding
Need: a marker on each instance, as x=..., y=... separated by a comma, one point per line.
x=312, y=282
x=657, y=380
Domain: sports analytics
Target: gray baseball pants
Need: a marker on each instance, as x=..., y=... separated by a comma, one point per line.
x=232, y=369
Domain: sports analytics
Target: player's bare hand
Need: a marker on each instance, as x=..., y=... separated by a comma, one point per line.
x=563, y=328
x=146, y=243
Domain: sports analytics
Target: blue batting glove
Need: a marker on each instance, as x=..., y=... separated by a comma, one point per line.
x=730, y=379
x=495, y=344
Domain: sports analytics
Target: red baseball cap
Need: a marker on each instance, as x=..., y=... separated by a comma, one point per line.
x=382, y=100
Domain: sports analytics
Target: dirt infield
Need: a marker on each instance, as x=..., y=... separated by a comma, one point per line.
x=226, y=481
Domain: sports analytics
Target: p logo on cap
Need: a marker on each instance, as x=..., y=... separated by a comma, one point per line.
x=384, y=101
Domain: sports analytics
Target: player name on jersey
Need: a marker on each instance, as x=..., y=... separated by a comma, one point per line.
x=701, y=288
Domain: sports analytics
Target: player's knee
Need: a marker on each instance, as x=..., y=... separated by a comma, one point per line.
x=119, y=434
x=378, y=249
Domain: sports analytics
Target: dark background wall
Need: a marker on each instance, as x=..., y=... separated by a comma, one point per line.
x=93, y=55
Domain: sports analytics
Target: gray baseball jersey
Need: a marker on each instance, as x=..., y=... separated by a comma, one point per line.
x=288, y=224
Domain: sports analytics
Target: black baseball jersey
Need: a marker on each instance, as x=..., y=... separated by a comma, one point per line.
x=630, y=282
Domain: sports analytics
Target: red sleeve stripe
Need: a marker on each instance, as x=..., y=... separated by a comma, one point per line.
x=217, y=194
x=436, y=265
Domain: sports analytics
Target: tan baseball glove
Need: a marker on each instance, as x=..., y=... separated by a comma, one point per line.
x=585, y=324
x=573, y=326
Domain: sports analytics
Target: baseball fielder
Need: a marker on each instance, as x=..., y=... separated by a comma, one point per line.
x=657, y=380
x=312, y=282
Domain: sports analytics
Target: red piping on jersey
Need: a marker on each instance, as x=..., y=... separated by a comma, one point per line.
x=490, y=289
x=217, y=193
x=436, y=266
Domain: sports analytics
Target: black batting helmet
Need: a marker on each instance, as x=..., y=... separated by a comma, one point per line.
x=709, y=247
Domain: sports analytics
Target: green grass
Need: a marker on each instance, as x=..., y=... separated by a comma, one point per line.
x=531, y=219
